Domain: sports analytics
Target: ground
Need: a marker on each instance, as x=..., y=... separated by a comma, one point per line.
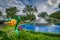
x=8, y=33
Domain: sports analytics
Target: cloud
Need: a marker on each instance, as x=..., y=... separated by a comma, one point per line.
x=49, y=2
x=42, y=5
x=10, y=3
x=53, y=3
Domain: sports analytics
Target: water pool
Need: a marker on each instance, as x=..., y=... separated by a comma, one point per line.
x=51, y=29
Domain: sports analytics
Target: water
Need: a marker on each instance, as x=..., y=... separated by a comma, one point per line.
x=51, y=29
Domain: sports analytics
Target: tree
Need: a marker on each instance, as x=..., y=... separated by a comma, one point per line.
x=34, y=9
x=55, y=15
x=11, y=12
x=59, y=5
x=31, y=17
x=29, y=9
x=0, y=13
x=43, y=14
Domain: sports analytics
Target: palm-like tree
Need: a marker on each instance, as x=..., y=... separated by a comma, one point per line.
x=29, y=9
x=35, y=9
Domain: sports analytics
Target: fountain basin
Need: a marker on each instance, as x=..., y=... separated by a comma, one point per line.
x=50, y=29
x=41, y=22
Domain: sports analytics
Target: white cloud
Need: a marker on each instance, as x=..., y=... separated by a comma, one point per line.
x=10, y=3
x=49, y=1
x=46, y=5
x=53, y=3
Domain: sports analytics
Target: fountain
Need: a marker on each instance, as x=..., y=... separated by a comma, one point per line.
x=42, y=22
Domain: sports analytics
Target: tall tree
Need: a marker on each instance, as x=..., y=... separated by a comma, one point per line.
x=11, y=12
x=43, y=14
x=0, y=13
x=29, y=9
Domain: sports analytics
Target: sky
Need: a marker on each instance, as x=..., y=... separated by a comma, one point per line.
x=42, y=5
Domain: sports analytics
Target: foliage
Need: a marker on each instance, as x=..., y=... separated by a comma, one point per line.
x=11, y=12
x=0, y=13
x=29, y=9
x=59, y=5
x=43, y=14
x=30, y=17
x=23, y=18
x=9, y=34
x=56, y=15
x=53, y=21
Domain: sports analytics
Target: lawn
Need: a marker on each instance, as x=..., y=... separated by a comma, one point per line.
x=8, y=33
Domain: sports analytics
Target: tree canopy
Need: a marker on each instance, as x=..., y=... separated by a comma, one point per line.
x=56, y=15
x=0, y=13
x=29, y=9
x=59, y=5
x=11, y=12
x=42, y=14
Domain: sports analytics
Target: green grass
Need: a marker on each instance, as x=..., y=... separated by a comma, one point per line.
x=8, y=33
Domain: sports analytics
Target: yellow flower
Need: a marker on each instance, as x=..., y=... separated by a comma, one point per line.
x=12, y=22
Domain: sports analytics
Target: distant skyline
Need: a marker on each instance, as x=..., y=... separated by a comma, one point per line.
x=42, y=5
